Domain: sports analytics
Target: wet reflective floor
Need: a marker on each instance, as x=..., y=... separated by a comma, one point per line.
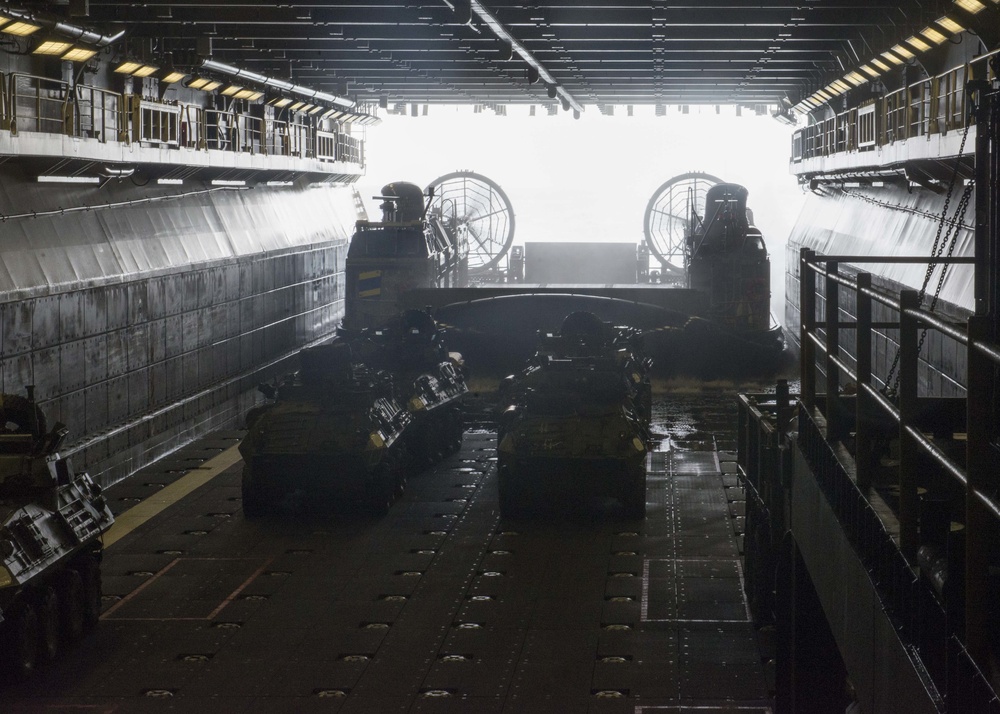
x=441, y=606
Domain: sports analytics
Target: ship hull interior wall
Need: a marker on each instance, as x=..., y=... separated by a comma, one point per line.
x=144, y=323
x=890, y=220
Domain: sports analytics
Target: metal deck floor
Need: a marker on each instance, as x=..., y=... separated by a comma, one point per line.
x=439, y=607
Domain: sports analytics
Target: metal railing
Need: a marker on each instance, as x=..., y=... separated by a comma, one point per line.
x=765, y=469
x=914, y=420
x=98, y=113
x=39, y=104
x=932, y=106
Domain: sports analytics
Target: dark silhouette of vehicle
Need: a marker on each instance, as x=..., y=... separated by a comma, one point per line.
x=575, y=421
x=358, y=417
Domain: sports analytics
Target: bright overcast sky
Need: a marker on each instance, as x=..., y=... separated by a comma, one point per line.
x=590, y=179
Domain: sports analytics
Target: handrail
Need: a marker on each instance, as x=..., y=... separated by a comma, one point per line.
x=982, y=355
x=934, y=111
x=108, y=116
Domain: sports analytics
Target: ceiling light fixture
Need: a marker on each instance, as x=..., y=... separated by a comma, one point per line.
x=52, y=47
x=51, y=178
x=917, y=43
x=881, y=65
x=250, y=94
x=870, y=71
x=146, y=70
x=21, y=29
x=971, y=6
x=173, y=76
x=902, y=52
x=79, y=54
x=950, y=25
x=935, y=36
x=892, y=58
x=128, y=67
x=280, y=102
x=855, y=78
x=231, y=90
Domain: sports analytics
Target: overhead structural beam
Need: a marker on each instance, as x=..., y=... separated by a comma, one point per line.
x=501, y=31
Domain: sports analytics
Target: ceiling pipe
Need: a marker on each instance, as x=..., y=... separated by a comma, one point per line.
x=280, y=84
x=73, y=32
x=501, y=31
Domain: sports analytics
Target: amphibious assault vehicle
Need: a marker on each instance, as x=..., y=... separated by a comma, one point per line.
x=356, y=418
x=430, y=379
x=575, y=421
x=51, y=521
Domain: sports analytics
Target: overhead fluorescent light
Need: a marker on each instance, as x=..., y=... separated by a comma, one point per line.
x=918, y=43
x=47, y=178
x=295, y=107
x=935, y=36
x=280, y=102
x=822, y=94
x=950, y=25
x=280, y=183
x=52, y=47
x=869, y=70
x=971, y=6
x=881, y=65
x=228, y=182
x=855, y=78
x=315, y=109
x=145, y=70
x=250, y=94
x=205, y=85
x=170, y=181
x=231, y=90
x=840, y=85
x=892, y=58
x=128, y=67
x=173, y=76
x=902, y=52
x=79, y=54
x=21, y=29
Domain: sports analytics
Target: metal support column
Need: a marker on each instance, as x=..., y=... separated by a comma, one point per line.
x=981, y=414
x=909, y=506
x=980, y=469
x=834, y=415
x=807, y=326
x=862, y=405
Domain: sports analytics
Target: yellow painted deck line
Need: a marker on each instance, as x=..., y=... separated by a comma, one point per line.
x=134, y=517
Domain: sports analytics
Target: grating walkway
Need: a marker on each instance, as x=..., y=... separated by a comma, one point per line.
x=439, y=607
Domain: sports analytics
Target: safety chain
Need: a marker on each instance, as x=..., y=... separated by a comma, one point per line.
x=949, y=237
